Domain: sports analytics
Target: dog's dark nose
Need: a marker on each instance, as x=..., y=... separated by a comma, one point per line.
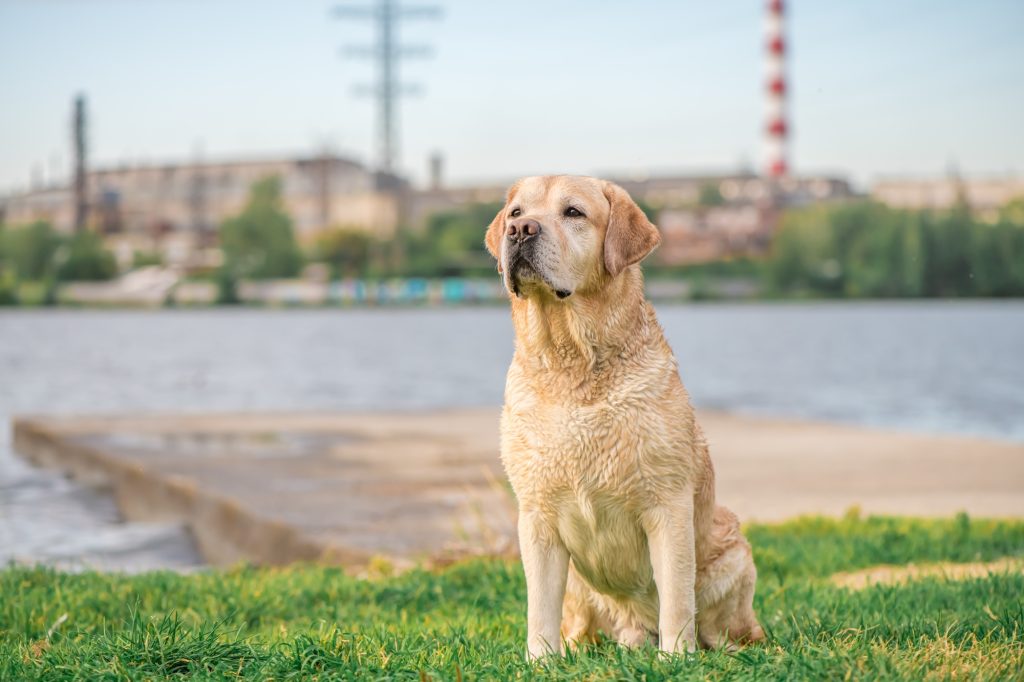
x=522, y=229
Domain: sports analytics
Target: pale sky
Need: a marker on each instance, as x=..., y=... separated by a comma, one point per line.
x=879, y=87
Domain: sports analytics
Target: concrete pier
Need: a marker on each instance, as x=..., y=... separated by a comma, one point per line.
x=343, y=488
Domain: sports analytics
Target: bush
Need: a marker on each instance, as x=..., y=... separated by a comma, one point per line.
x=29, y=251
x=346, y=251
x=8, y=287
x=452, y=244
x=259, y=242
x=227, y=288
x=141, y=259
x=86, y=260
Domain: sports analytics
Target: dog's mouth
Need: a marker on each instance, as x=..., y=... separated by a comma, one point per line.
x=521, y=271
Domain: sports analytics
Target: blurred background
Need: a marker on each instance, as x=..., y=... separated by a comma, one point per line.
x=230, y=205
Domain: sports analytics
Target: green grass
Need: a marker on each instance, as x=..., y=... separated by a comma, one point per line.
x=468, y=621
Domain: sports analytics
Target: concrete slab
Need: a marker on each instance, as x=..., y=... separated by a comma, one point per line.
x=276, y=488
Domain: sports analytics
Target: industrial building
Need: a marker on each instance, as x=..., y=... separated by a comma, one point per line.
x=176, y=208
x=985, y=196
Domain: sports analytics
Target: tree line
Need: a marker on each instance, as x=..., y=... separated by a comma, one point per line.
x=40, y=257
x=259, y=243
x=869, y=250
x=844, y=250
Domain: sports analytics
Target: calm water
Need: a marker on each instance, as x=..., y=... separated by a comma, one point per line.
x=934, y=367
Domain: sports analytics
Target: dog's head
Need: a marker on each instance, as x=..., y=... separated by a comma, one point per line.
x=561, y=235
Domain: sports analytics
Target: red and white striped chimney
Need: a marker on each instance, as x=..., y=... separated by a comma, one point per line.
x=776, y=130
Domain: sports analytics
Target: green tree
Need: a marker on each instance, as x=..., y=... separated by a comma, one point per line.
x=912, y=256
x=227, y=287
x=710, y=195
x=141, y=259
x=8, y=286
x=803, y=258
x=1013, y=211
x=86, y=259
x=346, y=251
x=997, y=260
x=948, y=246
x=259, y=242
x=876, y=251
x=29, y=251
x=452, y=243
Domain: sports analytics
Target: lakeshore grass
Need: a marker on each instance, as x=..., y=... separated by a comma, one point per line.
x=467, y=621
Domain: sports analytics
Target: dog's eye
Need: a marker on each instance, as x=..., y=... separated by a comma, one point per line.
x=572, y=212
x=515, y=213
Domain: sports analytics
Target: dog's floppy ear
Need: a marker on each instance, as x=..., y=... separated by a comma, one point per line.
x=496, y=229
x=630, y=235
x=493, y=238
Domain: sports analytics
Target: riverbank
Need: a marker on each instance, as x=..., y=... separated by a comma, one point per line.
x=158, y=287
x=427, y=486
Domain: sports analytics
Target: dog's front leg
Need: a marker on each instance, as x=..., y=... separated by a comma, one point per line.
x=673, y=557
x=546, y=564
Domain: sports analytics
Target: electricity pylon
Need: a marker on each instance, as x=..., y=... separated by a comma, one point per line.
x=387, y=51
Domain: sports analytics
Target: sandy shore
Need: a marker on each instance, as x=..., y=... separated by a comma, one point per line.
x=273, y=488
x=771, y=469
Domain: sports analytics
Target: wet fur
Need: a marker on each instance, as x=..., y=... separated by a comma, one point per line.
x=617, y=516
x=725, y=595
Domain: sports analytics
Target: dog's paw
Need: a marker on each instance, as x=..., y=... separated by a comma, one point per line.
x=634, y=637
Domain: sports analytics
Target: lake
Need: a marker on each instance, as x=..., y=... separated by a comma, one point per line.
x=946, y=367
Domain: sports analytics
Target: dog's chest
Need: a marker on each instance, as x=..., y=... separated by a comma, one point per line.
x=583, y=468
x=607, y=544
x=599, y=449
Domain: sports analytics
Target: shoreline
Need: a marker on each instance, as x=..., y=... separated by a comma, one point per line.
x=501, y=302
x=416, y=486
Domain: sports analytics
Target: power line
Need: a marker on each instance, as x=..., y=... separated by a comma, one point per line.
x=386, y=52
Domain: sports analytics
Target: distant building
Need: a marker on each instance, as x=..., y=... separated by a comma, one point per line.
x=705, y=218
x=177, y=208
x=420, y=205
x=734, y=188
x=700, y=235
x=701, y=217
x=984, y=195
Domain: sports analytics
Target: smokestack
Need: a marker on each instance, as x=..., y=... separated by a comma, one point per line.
x=78, y=132
x=436, y=171
x=776, y=129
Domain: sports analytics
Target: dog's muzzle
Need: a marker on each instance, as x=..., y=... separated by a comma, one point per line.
x=521, y=270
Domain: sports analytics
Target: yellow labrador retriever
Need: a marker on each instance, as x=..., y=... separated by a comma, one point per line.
x=611, y=471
